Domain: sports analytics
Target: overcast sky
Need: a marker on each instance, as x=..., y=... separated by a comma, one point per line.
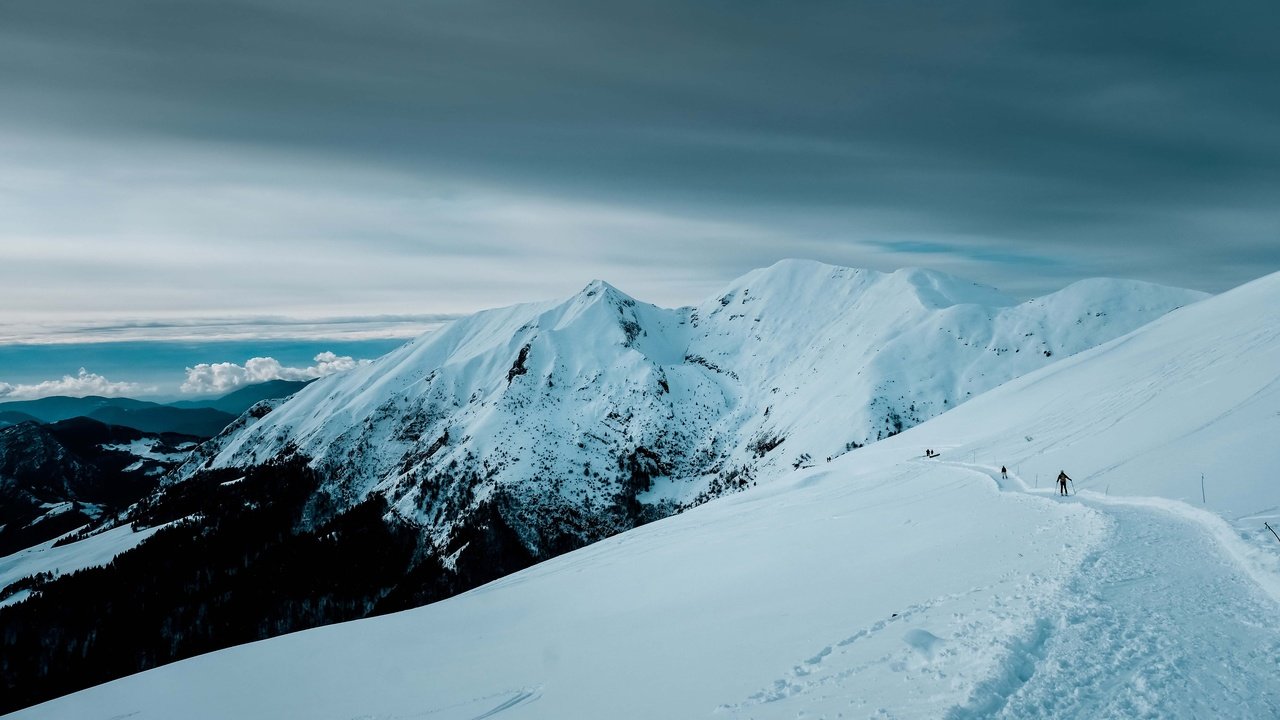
x=326, y=158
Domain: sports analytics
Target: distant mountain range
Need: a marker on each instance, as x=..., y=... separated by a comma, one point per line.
x=60, y=476
x=200, y=418
x=67, y=462
x=237, y=401
x=518, y=434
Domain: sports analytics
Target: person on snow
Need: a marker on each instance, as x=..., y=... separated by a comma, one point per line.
x=1062, y=482
x=1004, y=472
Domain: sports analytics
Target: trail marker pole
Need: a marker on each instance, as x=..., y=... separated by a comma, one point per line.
x=1273, y=530
x=1202, y=500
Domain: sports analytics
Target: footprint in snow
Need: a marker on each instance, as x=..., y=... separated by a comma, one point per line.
x=923, y=642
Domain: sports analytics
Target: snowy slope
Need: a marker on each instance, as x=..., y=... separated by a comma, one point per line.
x=879, y=585
x=581, y=418
x=1197, y=391
x=755, y=605
x=47, y=558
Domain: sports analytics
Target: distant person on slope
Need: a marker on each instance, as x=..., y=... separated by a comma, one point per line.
x=1062, y=482
x=1004, y=472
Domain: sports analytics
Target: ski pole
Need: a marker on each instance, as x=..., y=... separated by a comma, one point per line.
x=1073, y=485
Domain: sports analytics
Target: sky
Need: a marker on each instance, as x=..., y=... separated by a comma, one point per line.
x=366, y=170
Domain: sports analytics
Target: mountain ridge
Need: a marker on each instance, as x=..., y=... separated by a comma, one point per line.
x=697, y=398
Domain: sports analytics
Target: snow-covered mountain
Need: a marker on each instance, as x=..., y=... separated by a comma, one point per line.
x=584, y=417
x=883, y=584
x=522, y=433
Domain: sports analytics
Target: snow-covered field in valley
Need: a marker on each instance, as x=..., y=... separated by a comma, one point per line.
x=879, y=585
x=92, y=551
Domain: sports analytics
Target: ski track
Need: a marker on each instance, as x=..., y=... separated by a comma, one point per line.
x=904, y=648
x=1161, y=621
x=510, y=700
x=521, y=698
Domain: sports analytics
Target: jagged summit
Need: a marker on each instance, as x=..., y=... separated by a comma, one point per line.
x=598, y=286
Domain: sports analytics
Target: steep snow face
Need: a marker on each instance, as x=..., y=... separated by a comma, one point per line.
x=870, y=354
x=882, y=584
x=1194, y=393
x=590, y=415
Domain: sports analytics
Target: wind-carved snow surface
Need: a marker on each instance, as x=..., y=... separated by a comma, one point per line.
x=880, y=585
x=585, y=417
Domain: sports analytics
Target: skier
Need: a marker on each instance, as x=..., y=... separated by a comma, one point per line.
x=1062, y=482
x=1004, y=472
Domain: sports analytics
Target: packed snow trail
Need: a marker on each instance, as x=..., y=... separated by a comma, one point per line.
x=1160, y=622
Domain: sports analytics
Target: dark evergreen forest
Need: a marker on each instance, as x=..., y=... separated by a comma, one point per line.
x=241, y=562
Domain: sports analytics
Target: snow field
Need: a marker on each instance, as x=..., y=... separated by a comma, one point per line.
x=838, y=592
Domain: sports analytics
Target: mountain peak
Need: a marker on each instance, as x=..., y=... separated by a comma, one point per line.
x=600, y=289
x=595, y=286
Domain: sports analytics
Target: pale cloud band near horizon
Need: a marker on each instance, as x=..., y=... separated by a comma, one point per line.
x=224, y=377
x=201, y=379
x=82, y=384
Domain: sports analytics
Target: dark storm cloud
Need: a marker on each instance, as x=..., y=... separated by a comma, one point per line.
x=1053, y=140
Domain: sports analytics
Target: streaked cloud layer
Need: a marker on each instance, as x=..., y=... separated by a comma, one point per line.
x=323, y=158
x=218, y=329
